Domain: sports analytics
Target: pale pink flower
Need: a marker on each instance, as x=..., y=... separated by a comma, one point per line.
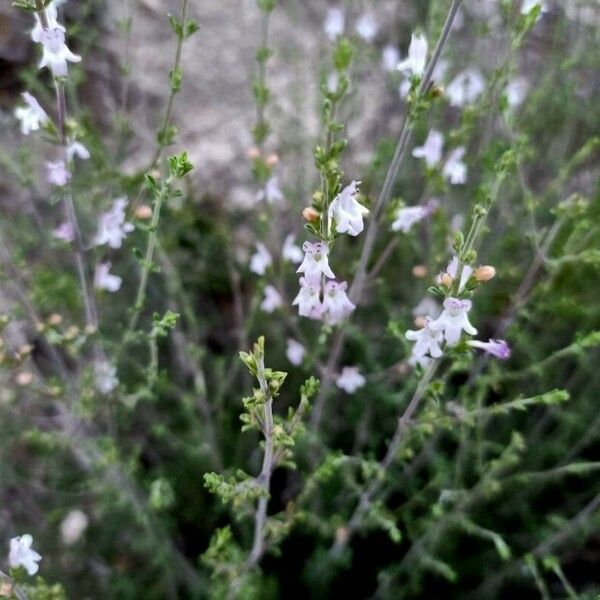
x=390, y=58
x=260, y=260
x=347, y=211
x=56, y=53
x=112, y=228
x=31, y=116
x=308, y=299
x=271, y=193
x=350, y=380
x=454, y=319
x=415, y=62
x=51, y=16
x=105, y=376
x=57, y=173
x=465, y=88
x=452, y=270
x=316, y=262
x=431, y=150
x=295, y=352
x=290, y=251
x=272, y=299
x=334, y=22
x=336, y=304
x=455, y=170
x=427, y=340
x=366, y=27
x=498, y=348
x=73, y=526
x=65, y=232
x=77, y=149
x=104, y=280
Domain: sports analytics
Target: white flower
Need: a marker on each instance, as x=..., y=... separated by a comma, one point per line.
x=290, y=251
x=77, y=149
x=112, y=228
x=452, y=270
x=347, y=211
x=350, y=379
x=455, y=170
x=103, y=280
x=316, y=262
x=65, y=232
x=51, y=16
x=308, y=299
x=454, y=319
x=529, y=5
x=466, y=87
x=334, y=22
x=415, y=62
x=21, y=554
x=516, y=91
x=32, y=115
x=428, y=340
x=272, y=299
x=105, y=377
x=390, y=57
x=336, y=304
x=333, y=80
x=271, y=193
x=295, y=352
x=73, y=526
x=431, y=150
x=407, y=216
x=57, y=173
x=498, y=348
x=261, y=260
x=366, y=27
x=56, y=53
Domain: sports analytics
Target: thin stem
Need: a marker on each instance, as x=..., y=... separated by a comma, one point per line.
x=264, y=479
x=392, y=450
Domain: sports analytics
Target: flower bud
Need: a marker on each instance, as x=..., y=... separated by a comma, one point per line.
x=419, y=271
x=272, y=160
x=55, y=319
x=446, y=279
x=254, y=153
x=484, y=273
x=341, y=535
x=420, y=322
x=24, y=378
x=143, y=212
x=310, y=214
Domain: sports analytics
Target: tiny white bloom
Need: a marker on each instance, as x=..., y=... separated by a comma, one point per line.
x=21, y=554
x=516, y=91
x=366, y=27
x=390, y=58
x=290, y=251
x=104, y=280
x=271, y=193
x=315, y=262
x=272, y=299
x=455, y=170
x=333, y=80
x=428, y=340
x=77, y=149
x=308, y=299
x=415, y=62
x=260, y=260
x=334, y=22
x=350, y=380
x=56, y=53
x=105, y=377
x=431, y=150
x=407, y=216
x=112, y=228
x=347, y=211
x=466, y=87
x=32, y=115
x=336, y=304
x=454, y=319
x=57, y=173
x=295, y=352
x=65, y=232
x=73, y=526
